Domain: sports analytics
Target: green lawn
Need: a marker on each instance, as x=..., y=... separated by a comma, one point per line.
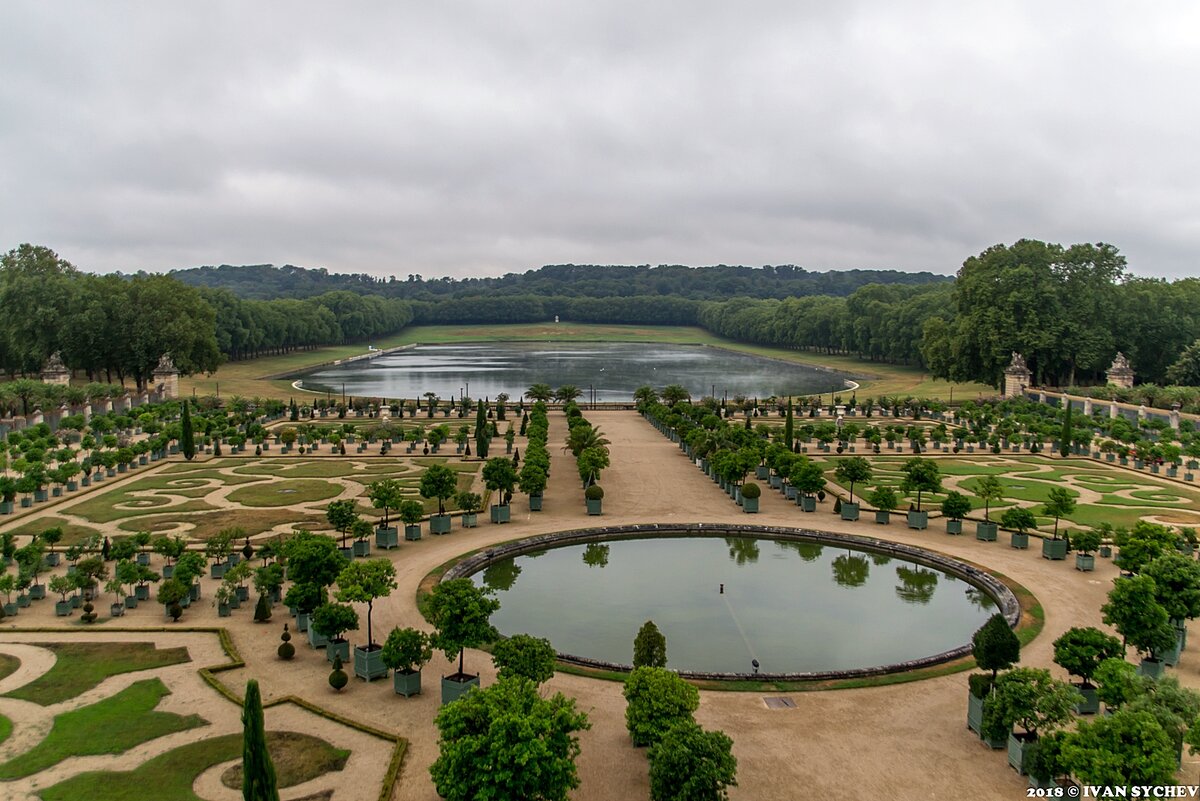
x=284, y=493
x=298, y=758
x=207, y=524
x=111, y=726
x=167, y=777
x=5, y=729
x=80, y=666
x=72, y=532
x=8, y=665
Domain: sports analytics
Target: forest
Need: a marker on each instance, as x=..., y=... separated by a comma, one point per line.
x=1068, y=309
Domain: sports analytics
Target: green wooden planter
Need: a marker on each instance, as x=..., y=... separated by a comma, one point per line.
x=302, y=621
x=362, y=548
x=440, y=524
x=974, y=713
x=1019, y=540
x=217, y=570
x=317, y=639
x=142, y=592
x=412, y=533
x=453, y=690
x=470, y=520
x=37, y=592
x=1085, y=562
x=23, y=600
x=131, y=601
x=62, y=608
x=1017, y=748
x=918, y=520
x=808, y=503
x=406, y=684
x=11, y=609
x=1106, y=551
x=1153, y=668
x=850, y=511
x=535, y=503
x=500, y=514
x=749, y=505
x=336, y=648
x=986, y=532
x=223, y=610
x=387, y=538
x=954, y=527
x=594, y=505
x=1054, y=549
x=883, y=518
x=368, y=664
x=1090, y=704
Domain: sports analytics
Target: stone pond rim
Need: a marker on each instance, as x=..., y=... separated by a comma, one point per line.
x=997, y=590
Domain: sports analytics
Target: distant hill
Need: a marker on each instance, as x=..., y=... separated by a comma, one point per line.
x=266, y=281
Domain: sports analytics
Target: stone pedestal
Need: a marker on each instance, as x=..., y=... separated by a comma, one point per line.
x=1087, y=407
x=1113, y=411
x=166, y=378
x=55, y=372
x=1016, y=376
x=1175, y=416
x=1120, y=373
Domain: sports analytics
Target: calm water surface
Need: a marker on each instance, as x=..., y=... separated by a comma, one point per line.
x=795, y=607
x=614, y=369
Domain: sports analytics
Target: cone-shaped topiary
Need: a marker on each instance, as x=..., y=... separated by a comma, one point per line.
x=995, y=646
x=258, y=773
x=262, y=610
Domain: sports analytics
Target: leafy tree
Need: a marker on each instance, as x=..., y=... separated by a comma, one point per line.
x=305, y=597
x=883, y=498
x=920, y=476
x=333, y=620
x=459, y=612
x=441, y=482
x=807, y=477
x=1186, y=369
x=673, y=394
x=1123, y=749
x=1134, y=611
x=691, y=764
x=342, y=515
x=956, y=506
x=406, y=650
x=187, y=436
x=533, y=479
x=995, y=646
x=1032, y=699
x=656, y=699
x=468, y=502
x=364, y=582
x=988, y=489
x=411, y=512
x=539, y=392
x=854, y=469
x=1018, y=519
x=1060, y=504
x=313, y=559
x=524, y=655
x=649, y=647
x=1176, y=584
x=258, y=772
x=385, y=494
x=1141, y=546
x=500, y=476
x=1079, y=651
x=506, y=741
x=1117, y=680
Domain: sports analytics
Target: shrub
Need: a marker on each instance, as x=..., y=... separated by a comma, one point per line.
x=338, y=677
x=649, y=647
x=995, y=646
x=524, y=655
x=693, y=764
x=594, y=492
x=751, y=490
x=406, y=650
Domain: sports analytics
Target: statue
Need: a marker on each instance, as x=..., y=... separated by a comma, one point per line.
x=1018, y=362
x=55, y=372
x=1017, y=376
x=166, y=364
x=1121, y=372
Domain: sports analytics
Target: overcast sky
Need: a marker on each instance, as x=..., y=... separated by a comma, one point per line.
x=476, y=138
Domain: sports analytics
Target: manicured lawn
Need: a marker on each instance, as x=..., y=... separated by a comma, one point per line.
x=284, y=493
x=103, y=508
x=111, y=726
x=167, y=777
x=298, y=758
x=8, y=665
x=5, y=729
x=80, y=666
x=207, y=524
x=72, y=532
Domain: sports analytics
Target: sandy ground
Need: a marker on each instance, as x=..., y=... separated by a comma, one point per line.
x=906, y=741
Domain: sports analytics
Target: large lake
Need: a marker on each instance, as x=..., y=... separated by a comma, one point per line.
x=794, y=606
x=613, y=369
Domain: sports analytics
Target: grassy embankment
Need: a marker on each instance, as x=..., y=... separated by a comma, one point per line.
x=246, y=378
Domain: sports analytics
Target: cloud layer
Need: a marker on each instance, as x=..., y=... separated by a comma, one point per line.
x=483, y=138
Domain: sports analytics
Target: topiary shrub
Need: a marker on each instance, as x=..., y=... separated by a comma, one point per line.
x=338, y=678
x=656, y=699
x=262, y=610
x=286, y=650
x=751, y=490
x=594, y=493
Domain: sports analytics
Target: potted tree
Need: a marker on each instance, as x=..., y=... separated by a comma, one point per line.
x=8, y=583
x=1079, y=651
x=51, y=536
x=459, y=612
x=885, y=502
x=406, y=651
x=750, y=496
x=808, y=479
x=8, y=494
x=303, y=597
x=386, y=495
x=1059, y=504
x=470, y=503
x=441, y=482
x=62, y=585
x=1019, y=520
x=594, y=497
x=1134, y=611
x=955, y=507
x=920, y=476
x=221, y=600
x=363, y=582
x=126, y=575
x=412, y=512
x=853, y=470
x=1177, y=588
x=1032, y=699
x=331, y=621
x=995, y=648
x=989, y=490
x=171, y=594
x=533, y=484
x=1085, y=542
x=342, y=516
x=500, y=477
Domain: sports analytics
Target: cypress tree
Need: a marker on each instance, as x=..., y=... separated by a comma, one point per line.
x=649, y=647
x=482, y=440
x=789, y=434
x=187, y=437
x=995, y=646
x=1064, y=446
x=258, y=774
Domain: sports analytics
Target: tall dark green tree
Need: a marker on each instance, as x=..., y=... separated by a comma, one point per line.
x=187, y=436
x=1064, y=445
x=995, y=646
x=258, y=774
x=649, y=647
x=482, y=440
x=789, y=433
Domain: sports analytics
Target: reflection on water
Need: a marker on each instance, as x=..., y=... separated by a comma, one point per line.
x=980, y=599
x=805, y=607
x=613, y=369
x=916, y=584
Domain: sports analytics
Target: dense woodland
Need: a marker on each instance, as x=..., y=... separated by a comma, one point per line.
x=1067, y=309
